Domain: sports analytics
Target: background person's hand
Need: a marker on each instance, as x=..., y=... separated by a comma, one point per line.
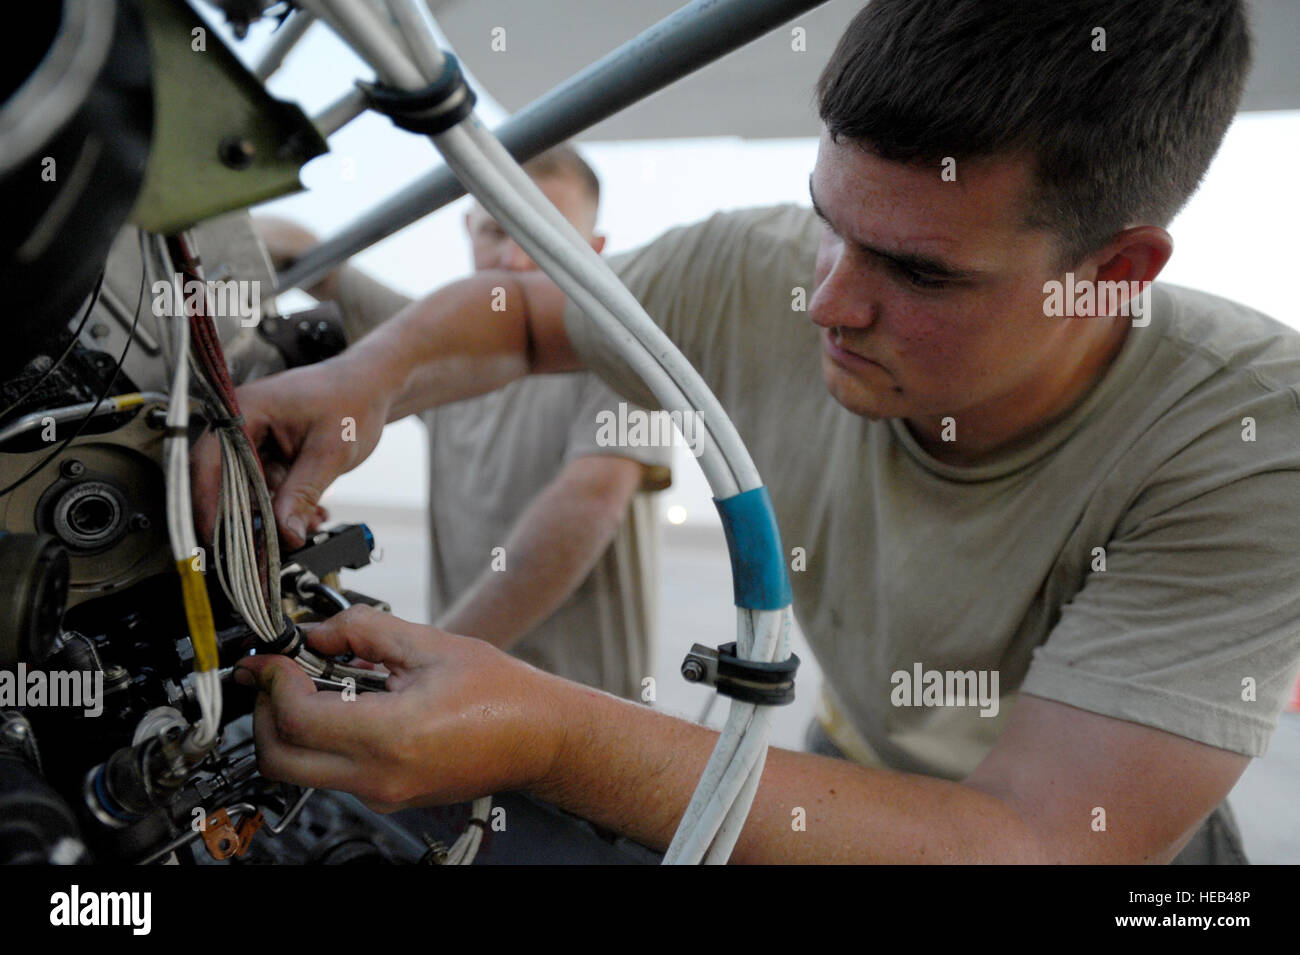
x=309, y=425
x=284, y=239
x=460, y=719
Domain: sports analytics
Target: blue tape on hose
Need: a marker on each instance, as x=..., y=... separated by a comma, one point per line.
x=754, y=541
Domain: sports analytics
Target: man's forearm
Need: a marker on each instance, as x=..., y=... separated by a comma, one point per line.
x=633, y=770
x=450, y=345
x=549, y=553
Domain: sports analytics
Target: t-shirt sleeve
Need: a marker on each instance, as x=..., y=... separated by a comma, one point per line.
x=595, y=432
x=678, y=278
x=1192, y=623
x=366, y=302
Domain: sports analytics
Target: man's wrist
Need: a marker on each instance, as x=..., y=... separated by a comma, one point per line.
x=570, y=737
x=374, y=365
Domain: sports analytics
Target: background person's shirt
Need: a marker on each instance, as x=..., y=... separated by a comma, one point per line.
x=1182, y=463
x=489, y=457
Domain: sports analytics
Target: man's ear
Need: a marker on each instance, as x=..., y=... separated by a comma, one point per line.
x=1135, y=255
x=598, y=243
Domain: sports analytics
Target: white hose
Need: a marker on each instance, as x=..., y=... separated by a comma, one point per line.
x=716, y=813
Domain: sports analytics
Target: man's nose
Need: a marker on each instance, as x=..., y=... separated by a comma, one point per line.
x=843, y=297
x=516, y=259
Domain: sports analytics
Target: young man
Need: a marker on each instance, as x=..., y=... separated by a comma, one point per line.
x=1096, y=507
x=539, y=541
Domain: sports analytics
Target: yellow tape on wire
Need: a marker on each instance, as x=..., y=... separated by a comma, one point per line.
x=198, y=613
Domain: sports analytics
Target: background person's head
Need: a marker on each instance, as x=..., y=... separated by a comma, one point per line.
x=571, y=185
x=1076, y=130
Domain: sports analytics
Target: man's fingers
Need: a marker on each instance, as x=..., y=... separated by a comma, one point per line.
x=297, y=499
x=205, y=477
x=304, y=717
x=280, y=759
x=369, y=633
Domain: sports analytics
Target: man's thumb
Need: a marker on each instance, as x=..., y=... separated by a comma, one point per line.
x=297, y=499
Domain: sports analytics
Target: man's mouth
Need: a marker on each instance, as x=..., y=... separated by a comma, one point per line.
x=840, y=352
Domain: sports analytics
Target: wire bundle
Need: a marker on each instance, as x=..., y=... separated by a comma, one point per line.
x=401, y=49
x=249, y=574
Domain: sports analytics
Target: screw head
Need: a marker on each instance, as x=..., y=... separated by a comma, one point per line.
x=693, y=671
x=236, y=152
x=72, y=468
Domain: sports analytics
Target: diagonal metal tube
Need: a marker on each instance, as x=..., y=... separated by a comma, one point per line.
x=287, y=38
x=680, y=44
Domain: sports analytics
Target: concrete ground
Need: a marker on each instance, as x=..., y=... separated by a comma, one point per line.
x=695, y=607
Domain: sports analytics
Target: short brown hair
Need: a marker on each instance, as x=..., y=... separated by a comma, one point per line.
x=564, y=160
x=1119, y=135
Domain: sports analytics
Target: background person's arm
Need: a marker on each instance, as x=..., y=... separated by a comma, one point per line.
x=550, y=550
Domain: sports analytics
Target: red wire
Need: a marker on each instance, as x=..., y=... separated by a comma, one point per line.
x=212, y=358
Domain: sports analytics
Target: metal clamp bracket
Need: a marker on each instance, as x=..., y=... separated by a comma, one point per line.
x=433, y=110
x=769, y=684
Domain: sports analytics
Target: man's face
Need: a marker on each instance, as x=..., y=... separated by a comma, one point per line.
x=492, y=246
x=930, y=292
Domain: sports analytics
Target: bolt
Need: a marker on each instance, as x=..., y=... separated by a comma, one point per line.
x=693, y=671
x=236, y=152
x=99, y=330
x=141, y=522
x=16, y=731
x=72, y=468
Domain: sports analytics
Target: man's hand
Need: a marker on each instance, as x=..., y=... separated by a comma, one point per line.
x=460, y=718
x=309, y=425
x=285, y=241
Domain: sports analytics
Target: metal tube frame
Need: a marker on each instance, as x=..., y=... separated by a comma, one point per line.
x=291, y=31
x=678, y=45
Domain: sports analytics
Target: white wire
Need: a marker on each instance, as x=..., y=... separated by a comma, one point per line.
x=579, y=259
x=724, y=784
x=466, y=847
x=726, y=789
x=180, y=510
x=734, y=822
x=419, y=38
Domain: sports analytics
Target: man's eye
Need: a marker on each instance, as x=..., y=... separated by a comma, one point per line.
x=923, y=281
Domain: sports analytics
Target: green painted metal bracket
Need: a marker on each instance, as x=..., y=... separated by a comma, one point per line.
x=221, y=142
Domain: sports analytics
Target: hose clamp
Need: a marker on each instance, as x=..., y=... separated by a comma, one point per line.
x=767, y=684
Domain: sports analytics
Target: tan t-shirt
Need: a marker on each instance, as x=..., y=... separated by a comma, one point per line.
x=489, y=457
x=1181, y=468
